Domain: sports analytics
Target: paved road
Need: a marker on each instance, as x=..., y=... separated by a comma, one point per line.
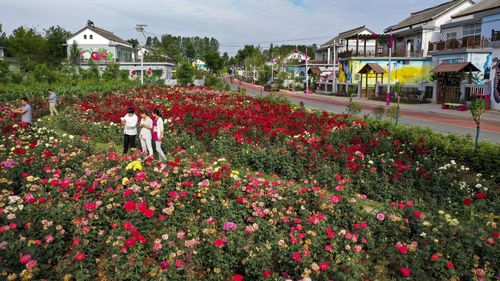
x=444, y=124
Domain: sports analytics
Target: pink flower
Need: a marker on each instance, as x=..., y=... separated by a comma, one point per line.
x=296, y=256
x=49, y=238
x=230, y=226
x=323, y=266
x=80, y=256
x=405, y=271
x=328, y=248
x=179, y=263
x=31, y=264
x=380, y=216
x=357, y=248
x=25, y=258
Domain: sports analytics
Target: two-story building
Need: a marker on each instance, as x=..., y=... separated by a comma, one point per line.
x=478, y=35
x=410, y=63
x=103, y=47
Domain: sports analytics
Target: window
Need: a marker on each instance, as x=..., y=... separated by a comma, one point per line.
x=471, y=30
x=85, y=36
x=90, y=36
x=451, y=35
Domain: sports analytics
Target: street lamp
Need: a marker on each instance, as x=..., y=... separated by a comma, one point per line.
x=140, y=29
x=388, y=95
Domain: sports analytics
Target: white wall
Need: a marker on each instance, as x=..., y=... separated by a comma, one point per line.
x=96, y=38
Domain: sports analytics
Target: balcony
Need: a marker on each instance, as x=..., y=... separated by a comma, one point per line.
x=385, y=53
x=471, y=42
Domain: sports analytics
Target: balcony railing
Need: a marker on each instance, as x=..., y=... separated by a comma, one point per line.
x=395, y=53
x=472, y=42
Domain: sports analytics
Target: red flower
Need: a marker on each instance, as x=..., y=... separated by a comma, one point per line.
x=435, y=257
x=405, y=271
x=179, y=263
x=80, y=256
x=403, y=249
x=418, y=215
x=296, y=257
x=481, y=195
x=164, y=265
x=467, y=201
x=219, y=243
x=129, y=206
x=450, y=265
x=130, y=242
x=266, y=273
x=323, y=266
x=238, y=277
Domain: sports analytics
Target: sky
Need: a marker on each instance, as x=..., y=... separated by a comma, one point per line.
x=233, y=22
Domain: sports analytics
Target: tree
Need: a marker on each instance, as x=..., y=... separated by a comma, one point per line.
x=56, y=37
x=185, y=73
x=5, y=76
x=214, y=62
x=27, y=46
x=111, y=72
x=3, y=36
x=134, y=43
x=74, y=54
x=477, y=109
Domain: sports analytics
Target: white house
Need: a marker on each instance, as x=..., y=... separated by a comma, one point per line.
x=296, y=55
x=2, y=53
x=102, y=47
x=414, y=33
x=98, y=44
x=346, y=41
x=485, y=16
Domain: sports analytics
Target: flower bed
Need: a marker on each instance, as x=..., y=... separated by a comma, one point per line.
x=300, y=195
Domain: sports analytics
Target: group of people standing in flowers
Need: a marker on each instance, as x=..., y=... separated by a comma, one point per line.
x=152, y=129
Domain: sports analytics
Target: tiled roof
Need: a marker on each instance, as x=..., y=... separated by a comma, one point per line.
x=347, y=34
x=427, y=14
x=482, y=6
x=106, y=34
x=455, y=67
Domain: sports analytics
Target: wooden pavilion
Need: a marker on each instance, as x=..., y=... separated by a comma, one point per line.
x=448, y=77
x=368, y=69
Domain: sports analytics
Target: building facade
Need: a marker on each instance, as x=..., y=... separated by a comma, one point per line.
x=102, y=47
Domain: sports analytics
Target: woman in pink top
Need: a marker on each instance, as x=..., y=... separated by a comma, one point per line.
x=158, y=133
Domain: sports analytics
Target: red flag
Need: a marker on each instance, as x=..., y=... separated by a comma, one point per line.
x=390, y=41
x=306, y=54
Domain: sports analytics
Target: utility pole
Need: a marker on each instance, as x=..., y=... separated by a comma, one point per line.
x=388, y=95
x=307, y=76
x=254, y=70
x=334, y=86
x=140, y=29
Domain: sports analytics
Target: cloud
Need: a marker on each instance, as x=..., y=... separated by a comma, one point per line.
x=232, y=22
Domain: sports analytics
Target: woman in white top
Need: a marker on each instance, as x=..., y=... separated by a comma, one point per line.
x=130, y=129
x=158, y=133
x=145, y=135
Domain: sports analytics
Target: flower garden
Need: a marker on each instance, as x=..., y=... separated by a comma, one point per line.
x=253, y=190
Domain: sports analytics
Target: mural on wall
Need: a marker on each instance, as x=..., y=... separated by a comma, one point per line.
x=495, y=73
x=411, y=73
x=95, y=54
